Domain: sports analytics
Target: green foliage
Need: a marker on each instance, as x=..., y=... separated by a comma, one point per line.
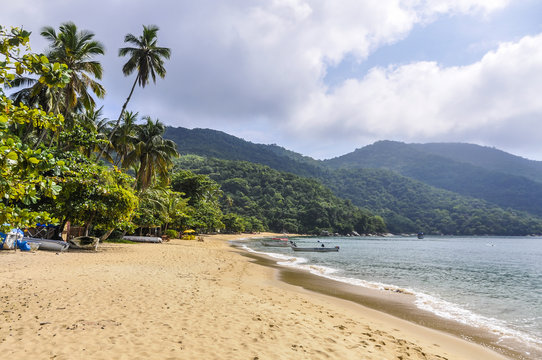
x=145, y=56
x=76, y=48
x=152, y=153
x=172, y=234
x=411, y=206
x=26, y=174
x=280, y=201
x=160, y=206
x=234, y=223
x=98, y=196
x=203, y=196
x=60, y=182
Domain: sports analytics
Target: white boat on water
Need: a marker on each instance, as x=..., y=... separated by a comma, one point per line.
x=321, y=248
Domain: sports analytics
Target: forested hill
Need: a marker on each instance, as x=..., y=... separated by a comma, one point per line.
x=282, y=201
x=217, y=144
x=498, y=187
x=407, y=204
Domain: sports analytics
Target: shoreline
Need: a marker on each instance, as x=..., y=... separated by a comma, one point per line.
x=187, y=299
x=401, y=305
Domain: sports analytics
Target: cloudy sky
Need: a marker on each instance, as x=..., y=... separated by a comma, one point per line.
x=324, y=77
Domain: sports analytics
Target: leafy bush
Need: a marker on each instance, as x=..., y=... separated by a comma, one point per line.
x=173, y=234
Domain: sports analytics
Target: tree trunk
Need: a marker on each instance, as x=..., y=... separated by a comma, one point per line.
x=88, y=224
x=118, y=120
x=106, y=235
x=42, y=135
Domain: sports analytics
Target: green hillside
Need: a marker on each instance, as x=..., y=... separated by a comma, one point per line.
x=282, y=201
x=409, y=206
x=217, y=144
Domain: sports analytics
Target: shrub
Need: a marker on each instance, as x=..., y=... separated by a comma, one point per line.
x=173, y=234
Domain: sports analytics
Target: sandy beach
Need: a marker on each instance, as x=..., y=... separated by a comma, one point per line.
x=191, y=300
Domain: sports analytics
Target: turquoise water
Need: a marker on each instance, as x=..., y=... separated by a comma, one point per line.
x=492, y=283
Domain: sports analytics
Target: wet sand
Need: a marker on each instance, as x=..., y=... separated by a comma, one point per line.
x=399, y=305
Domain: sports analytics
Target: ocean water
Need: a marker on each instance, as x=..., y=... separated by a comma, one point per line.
x=491, y=283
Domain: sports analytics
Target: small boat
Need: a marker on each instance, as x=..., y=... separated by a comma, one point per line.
x=84, y=243
x=280, y=238
x=47, y=244
x=275, y=243
x=421, y=235
x=147, y=239
x=314, y=249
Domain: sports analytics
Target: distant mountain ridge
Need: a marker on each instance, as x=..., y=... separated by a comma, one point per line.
x=213, y=143
x=501, y=186
x=487, y=158
x=440, y=191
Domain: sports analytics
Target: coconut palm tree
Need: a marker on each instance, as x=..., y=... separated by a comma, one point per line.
x=146, y=57
x=76, y=49
x=124, y=138
x=152, y=152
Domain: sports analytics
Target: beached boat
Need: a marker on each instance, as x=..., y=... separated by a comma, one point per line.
x=47, y=244
x=84, y=242
x=314, y=249
x=148, y=239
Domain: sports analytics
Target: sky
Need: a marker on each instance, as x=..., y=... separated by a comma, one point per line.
x=324, y=77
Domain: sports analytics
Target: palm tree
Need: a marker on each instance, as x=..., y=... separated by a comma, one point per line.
x=76, y=49
x=152, y=152
x=35, y=95
x=124, y=139
x=146, y=57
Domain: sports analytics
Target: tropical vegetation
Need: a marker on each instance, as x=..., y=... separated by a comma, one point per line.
x=454, y=189
x=62, y=161
x=279, y=201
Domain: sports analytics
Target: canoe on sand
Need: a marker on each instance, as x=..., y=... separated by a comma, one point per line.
x=148, y=239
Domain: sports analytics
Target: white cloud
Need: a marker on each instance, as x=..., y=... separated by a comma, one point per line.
x=422, y=100
x=261, y=64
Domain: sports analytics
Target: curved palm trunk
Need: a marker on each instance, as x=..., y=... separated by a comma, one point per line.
x=106, y=235
x=118, y=120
